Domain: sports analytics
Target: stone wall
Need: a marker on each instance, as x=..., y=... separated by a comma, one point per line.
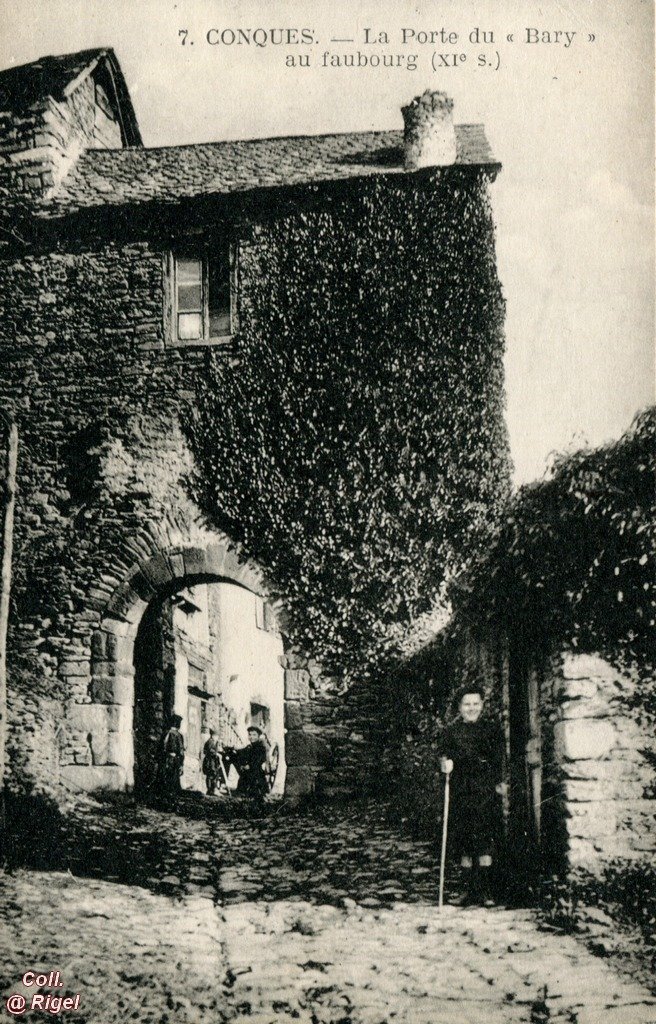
x=601, y=763
x=580, y=755
x=581, y=759
x=39, y=145
x=105, y=522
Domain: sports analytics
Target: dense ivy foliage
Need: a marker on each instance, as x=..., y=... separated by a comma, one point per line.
x=357, y=444
x=573, y=560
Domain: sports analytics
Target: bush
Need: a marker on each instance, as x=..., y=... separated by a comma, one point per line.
x=572, y=563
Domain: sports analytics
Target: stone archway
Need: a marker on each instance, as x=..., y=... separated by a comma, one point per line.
x=105, y=721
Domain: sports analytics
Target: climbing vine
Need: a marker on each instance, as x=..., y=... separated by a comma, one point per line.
x=356, y=446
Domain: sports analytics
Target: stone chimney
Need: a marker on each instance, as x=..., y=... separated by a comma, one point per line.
x=429, y=139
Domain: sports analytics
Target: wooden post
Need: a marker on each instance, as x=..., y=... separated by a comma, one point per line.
x=445, y=829
x=9, y=456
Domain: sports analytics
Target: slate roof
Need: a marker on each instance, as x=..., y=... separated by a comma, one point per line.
x=171, y=174
x=136, y=175
x=58, y=76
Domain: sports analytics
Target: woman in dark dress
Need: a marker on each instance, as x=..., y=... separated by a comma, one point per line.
x=472, y=755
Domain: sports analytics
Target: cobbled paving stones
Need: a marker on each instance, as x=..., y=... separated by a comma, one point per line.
x=323, y=918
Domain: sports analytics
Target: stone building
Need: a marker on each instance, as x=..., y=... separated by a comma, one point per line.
x=124, y=270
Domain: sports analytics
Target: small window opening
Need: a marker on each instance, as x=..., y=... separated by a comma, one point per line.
x=189, y=288
x=203, y=296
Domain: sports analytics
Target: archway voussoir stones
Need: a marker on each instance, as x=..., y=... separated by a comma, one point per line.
x=105, y=723
x=246, y=577
x=142, y=586
x=157, y=571
x=195, y=561
x=125, y=603
x=215, y=559
x=240, y=573
x=176, y=561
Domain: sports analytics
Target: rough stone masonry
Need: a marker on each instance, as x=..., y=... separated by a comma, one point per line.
x=602, y=764
x=101, y=389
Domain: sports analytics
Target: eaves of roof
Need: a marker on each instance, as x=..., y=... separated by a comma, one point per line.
x=105, y=179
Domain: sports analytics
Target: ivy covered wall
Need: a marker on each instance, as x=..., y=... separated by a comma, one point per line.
x=556, y=618
x=357, y=447
x=349, y=441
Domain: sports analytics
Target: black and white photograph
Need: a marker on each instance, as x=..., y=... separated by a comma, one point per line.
x=327, y=492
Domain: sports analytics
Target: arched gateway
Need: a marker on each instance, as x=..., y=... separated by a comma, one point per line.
x=111, y=725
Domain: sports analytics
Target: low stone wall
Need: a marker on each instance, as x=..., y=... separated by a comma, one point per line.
x=601, y=764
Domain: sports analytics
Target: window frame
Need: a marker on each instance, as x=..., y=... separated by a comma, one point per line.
x=201, y=253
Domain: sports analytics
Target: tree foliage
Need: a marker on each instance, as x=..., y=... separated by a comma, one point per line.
x=573, y=559
x=357, y=442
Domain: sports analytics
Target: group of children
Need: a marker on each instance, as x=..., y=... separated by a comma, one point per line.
x=250, y=763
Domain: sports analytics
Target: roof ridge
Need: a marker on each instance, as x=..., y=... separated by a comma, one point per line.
x=88, y=54
x=109, y=178
x=261, y=138
x=257, y=138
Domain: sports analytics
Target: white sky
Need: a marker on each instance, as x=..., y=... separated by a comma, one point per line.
x=572, y=126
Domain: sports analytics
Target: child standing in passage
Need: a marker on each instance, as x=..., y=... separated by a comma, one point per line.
x=472, y=752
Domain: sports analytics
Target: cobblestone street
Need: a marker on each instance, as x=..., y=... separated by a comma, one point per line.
x=327, y=918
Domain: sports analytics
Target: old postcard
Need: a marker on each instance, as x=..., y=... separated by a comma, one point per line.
x=327, y=468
